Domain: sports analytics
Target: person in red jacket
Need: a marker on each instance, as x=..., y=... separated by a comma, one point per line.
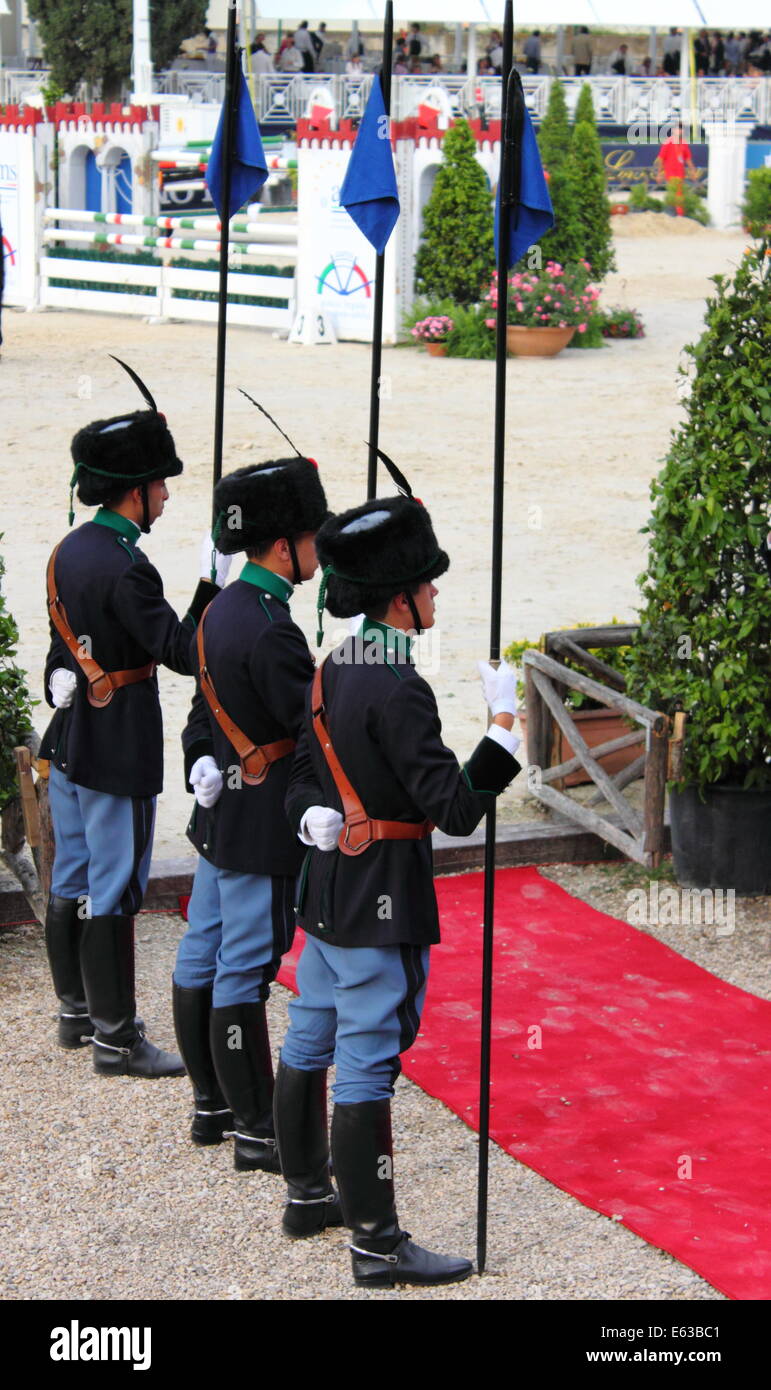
x=674, y=161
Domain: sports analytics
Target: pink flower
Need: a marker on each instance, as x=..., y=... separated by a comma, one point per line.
x=489, y=323
x=520, y=306
x=582, y=327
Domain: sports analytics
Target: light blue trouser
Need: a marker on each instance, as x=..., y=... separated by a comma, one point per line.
x=238, y=928
x=103, y=846
x=358, y=1007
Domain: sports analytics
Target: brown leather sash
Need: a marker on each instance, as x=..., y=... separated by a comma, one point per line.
x=101, y=684
x=359, y=830
x=255, y=760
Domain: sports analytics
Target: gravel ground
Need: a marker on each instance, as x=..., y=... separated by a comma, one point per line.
x=105, y=1197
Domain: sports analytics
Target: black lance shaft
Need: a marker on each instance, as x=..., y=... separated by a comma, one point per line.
x=377, y=319
x=512, y=111
x=231, y=92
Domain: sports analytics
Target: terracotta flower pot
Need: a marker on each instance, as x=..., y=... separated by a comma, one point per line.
x=595, y=726
x=437, y=349
x=536, y=342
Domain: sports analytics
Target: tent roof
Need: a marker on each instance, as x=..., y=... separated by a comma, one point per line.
x=712, y=14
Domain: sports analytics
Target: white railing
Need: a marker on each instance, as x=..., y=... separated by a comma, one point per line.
x=163, y=289
x=282, y=98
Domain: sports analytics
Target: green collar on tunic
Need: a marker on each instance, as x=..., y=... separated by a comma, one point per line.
x=395, y=641
x=116, y=522
x=272, y=583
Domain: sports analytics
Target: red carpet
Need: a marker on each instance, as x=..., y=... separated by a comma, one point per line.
x=649, y=1096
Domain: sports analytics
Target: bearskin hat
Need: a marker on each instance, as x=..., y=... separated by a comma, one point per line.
x=122, y=452
x=375, y=551
x=254, y=506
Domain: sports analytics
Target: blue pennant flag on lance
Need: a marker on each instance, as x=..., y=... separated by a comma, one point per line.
x=532, y=214
x=249, y=167
x=369, y=193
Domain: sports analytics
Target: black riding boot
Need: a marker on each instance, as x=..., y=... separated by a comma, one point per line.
x=212, y=1117
x=382, y=1254
x=62, y=933
x=300, y=1116
x=107, y=962
x=240, y=1048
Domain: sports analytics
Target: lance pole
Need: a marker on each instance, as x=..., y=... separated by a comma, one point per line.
x=511, y=121
x=377, y=318
x=222, y=314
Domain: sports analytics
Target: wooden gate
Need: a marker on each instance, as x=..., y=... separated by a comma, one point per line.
x=640, y=836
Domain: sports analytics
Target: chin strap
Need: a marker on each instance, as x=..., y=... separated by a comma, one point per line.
x=145, y=511
x=296, y=576
x=414, y=612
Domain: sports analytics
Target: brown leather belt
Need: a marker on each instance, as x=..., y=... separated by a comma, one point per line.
x=101, y=684
x=255, y=759
x=359, y=830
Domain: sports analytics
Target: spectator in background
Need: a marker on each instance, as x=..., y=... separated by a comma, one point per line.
x=354, y=67
x=644, y=69
x=672, y=46
x=701, y=53
x=533, y=51
x=583, y=52
x=302, y=42
x=733, y=53
x=318, y=39
x=400, y=63
x=416, y=67
x=211, y=41
x=354, y=46
x=436, y=64
x=261, y=59
x=619, y=62
x=289, y=58
x=415, y=44
x=716, y=56
x=495, y=51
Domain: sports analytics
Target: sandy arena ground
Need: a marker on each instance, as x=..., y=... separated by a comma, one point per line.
x=130, y=1210
x=586, y=432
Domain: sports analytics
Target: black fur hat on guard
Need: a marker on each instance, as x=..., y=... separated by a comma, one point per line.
x=122, y=452
x=374, y=552
x=254, y=506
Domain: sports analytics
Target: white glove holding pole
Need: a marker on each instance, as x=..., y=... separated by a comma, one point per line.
x=500, y=687
x=206, y=781
x=222, y=563
x=62, y=685
x=321, y=826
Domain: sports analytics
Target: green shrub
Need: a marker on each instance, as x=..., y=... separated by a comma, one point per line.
x=756, y=208
x=15, y=702
x=588, y=193
x=640, y=200
x=693, y=205
x=554, y=131
x=705, y=635
x=456, y=256
x=585, y=106
x=471, y=337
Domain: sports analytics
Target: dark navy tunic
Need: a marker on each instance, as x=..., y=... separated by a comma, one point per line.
x=113, y=597
x=260, y=665
x=385, y=729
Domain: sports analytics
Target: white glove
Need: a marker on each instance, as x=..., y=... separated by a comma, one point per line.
x=206, y=781
x=222, y=563
x=321, y=826
x=62, y=686
x=500, y=687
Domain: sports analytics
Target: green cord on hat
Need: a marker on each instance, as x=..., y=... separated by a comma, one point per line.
x=320, y=603
x=105, y=473
x=214, y=535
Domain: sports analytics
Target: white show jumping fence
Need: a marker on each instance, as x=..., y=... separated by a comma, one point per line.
x=164, y=289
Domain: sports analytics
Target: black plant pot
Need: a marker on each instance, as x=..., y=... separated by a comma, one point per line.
x=724, y=841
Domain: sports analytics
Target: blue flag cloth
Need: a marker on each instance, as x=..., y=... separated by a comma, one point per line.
x=535, y=215
x=249, y=167
x=369, y=192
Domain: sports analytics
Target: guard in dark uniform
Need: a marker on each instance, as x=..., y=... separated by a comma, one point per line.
x=110, y=627
x=255, y=668
x=371, y=779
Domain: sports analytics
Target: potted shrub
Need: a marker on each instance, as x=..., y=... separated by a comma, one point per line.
x=705, y=637
x=434, y=332
x=756, y=208
x=546, y=307
x=597, y=723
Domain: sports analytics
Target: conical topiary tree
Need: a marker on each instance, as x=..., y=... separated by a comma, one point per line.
x=588, y=197
x=554, y=131
x=705, y=637
x=564, y=243
x=456, y=257
x=585, y=106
